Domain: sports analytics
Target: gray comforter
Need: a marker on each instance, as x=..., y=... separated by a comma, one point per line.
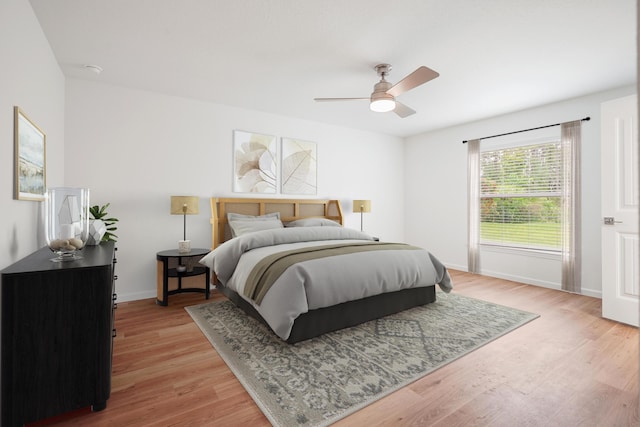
x=320, y=282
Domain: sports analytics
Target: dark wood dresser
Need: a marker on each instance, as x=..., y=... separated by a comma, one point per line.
x=57, y=327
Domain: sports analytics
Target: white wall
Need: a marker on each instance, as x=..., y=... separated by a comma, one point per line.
x=31, y=79
x=135, y=149
x=436, y=192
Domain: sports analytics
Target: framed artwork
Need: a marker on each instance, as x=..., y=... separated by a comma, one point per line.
x=30, y=158
x=255, y=163
x=299, y=163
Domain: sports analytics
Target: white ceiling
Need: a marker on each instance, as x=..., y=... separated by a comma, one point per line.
x=493, y=56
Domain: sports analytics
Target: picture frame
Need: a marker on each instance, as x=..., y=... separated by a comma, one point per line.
x=29, y=158
x=255, y=163
x=299, y=167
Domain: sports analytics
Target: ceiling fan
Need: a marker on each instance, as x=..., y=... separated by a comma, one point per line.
x=383, y=98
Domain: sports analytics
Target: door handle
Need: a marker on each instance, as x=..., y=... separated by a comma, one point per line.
x=609, y=220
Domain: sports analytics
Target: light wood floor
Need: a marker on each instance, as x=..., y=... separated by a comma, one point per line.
x=569, y=367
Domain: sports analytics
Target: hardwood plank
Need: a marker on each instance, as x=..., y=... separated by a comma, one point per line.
x=568, y=367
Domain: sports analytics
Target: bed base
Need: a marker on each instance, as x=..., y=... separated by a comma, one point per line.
x=322, y=320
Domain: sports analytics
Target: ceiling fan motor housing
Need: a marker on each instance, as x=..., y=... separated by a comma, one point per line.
x=380, y=89
x=381, y=86
x=381, y=101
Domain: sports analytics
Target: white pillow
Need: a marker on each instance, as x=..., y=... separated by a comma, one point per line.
x=242, y=224
x=313, y=222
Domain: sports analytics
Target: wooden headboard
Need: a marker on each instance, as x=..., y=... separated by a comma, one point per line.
x=290, y=210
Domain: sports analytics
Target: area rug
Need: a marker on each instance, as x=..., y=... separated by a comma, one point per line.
x=319, y=381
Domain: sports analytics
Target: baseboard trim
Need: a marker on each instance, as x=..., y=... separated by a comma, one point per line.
x=522, y=279
x=135, y=296
x=124, y=297
x=527, y=281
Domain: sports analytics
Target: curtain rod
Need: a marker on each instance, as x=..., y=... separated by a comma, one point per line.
x=586, y=119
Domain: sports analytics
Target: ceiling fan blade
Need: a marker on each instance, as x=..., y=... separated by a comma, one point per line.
x=339, y=99
x=402, y=110
x=415, y=79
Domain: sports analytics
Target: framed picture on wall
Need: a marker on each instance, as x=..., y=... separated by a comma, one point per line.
x=29, y=158
x=255, y=163
x=299, y=164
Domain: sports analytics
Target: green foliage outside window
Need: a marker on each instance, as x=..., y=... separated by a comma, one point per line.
x=521, y=196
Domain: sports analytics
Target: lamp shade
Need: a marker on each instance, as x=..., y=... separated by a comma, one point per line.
x=185, y=205
x=361, y=206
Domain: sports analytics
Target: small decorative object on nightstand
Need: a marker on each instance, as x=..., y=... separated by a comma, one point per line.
x=176, y=270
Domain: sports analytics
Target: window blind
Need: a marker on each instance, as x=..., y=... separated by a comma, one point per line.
x=520, y=196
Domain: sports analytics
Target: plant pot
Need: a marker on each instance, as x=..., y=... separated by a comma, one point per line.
x=97, y=229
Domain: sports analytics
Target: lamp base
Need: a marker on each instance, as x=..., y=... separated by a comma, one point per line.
x=184, y=246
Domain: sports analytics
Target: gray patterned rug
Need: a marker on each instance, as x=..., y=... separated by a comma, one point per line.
x=319, y=381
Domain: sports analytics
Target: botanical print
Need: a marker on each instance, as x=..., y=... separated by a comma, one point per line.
x=30, y=171
x=299, y=161
x=255, y=164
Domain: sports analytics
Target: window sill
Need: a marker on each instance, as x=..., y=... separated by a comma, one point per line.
x=538, y=253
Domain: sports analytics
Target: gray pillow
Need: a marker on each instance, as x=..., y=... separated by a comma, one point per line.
x=272, y=215
x=313, y=222
x=242, y=224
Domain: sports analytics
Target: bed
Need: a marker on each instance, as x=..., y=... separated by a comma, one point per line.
x=293, y=265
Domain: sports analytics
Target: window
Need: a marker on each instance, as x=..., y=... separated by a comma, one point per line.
x=525, y=193
x=521, y=196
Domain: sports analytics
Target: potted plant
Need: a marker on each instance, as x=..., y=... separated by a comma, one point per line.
x=100, y=228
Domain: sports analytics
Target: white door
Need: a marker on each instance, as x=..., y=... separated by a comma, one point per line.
x=620, y=249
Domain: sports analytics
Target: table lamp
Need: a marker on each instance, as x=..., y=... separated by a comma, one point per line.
x=185, y=205
x=361, y=206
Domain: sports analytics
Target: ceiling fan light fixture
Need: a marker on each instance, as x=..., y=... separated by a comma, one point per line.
x=382, y=103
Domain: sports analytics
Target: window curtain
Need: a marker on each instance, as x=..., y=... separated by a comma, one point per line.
x=473, y=183
x=571, y=215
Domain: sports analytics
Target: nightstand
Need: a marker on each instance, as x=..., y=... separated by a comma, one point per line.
x=177, y=273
